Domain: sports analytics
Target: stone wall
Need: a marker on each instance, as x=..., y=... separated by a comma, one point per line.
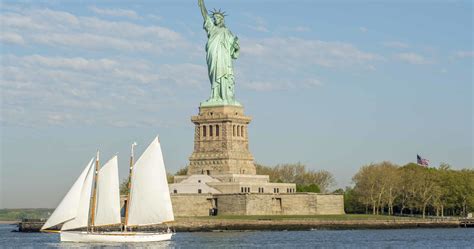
x=262, y=204
x=231, y=204
x=300, y=204
x=258, y=204
x=330, y=204
x=191, y=204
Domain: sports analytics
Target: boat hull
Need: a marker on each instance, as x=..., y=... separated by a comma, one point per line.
x=71, y=236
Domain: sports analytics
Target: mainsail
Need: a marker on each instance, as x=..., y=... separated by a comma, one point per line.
x=108, y=196
x=150, y=201
x=82, y=208
x=67, y=208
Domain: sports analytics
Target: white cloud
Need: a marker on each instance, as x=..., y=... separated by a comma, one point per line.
x=58, y=118
x=302, y=29
x=186, y=74
x=281, y=84
x=38, y=89
x=263, y=86
x=293, y=51
x=94, y=41
x=59, y=28
x=154, y=17
x=312, y=83
x=100, y=69
x=12, y=38
x=396, y=44
x=257, y=23
x=77, y=63
x=464, y=54
x=363, y=29
x=60, y=17
x=281, y=63
x=130, y=30
x=92, y=71
x=19, y=22
x=115, y=12
x=297, y=29
x=413, y=58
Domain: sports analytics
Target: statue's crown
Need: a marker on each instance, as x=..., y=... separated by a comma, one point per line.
x=218, y=12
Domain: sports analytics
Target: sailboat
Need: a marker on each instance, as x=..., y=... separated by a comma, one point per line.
x=93, y=202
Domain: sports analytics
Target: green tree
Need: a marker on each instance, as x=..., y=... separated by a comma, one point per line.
x=338, y=191
x=169, y=178
x=366, y=186
x=312, y=188
x=124, y=184
x=299, y=174
x=124, y=187
x=386, y=186
x=351, y=202
x=181, y=172
x=427, y=187
x=407, y=188
x=391, y=179
x=465, y=190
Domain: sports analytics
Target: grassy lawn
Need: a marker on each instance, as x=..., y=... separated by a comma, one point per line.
x=18, y=214
x=305, y=217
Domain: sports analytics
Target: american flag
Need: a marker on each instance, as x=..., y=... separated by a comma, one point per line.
x=422, y=161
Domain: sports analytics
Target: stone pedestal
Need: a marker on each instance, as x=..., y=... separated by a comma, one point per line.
x=221, y=142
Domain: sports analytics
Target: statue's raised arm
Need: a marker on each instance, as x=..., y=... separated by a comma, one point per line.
x=203, y=8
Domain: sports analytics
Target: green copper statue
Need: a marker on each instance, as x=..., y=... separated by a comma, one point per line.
x=222, y=47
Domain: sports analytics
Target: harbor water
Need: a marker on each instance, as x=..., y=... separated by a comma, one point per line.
x=389, y=238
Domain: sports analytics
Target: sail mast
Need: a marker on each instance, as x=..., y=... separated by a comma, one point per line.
x=129, y=185
x=94, y=194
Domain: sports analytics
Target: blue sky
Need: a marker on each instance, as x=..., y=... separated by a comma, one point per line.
x=332, y=84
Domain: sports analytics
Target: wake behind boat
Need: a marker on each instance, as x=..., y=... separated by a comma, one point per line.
x=93, y=202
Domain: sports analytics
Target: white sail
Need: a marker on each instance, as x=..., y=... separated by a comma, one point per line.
x=67, y=208
x=82, y=208
x=108, y=196
x=150, y=201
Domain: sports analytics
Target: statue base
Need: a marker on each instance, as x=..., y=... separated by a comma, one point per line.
x=221, y=142
x=220, y=102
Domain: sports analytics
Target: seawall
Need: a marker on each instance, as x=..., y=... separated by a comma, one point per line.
x=193, y=225
x=206, y=225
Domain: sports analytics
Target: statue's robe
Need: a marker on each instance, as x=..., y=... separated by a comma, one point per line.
x=221, y=48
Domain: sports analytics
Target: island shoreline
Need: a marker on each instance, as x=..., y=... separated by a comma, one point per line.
x=220, y=225
x=302, y=225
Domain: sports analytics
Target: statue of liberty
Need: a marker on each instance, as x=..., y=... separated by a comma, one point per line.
x=221, y=48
